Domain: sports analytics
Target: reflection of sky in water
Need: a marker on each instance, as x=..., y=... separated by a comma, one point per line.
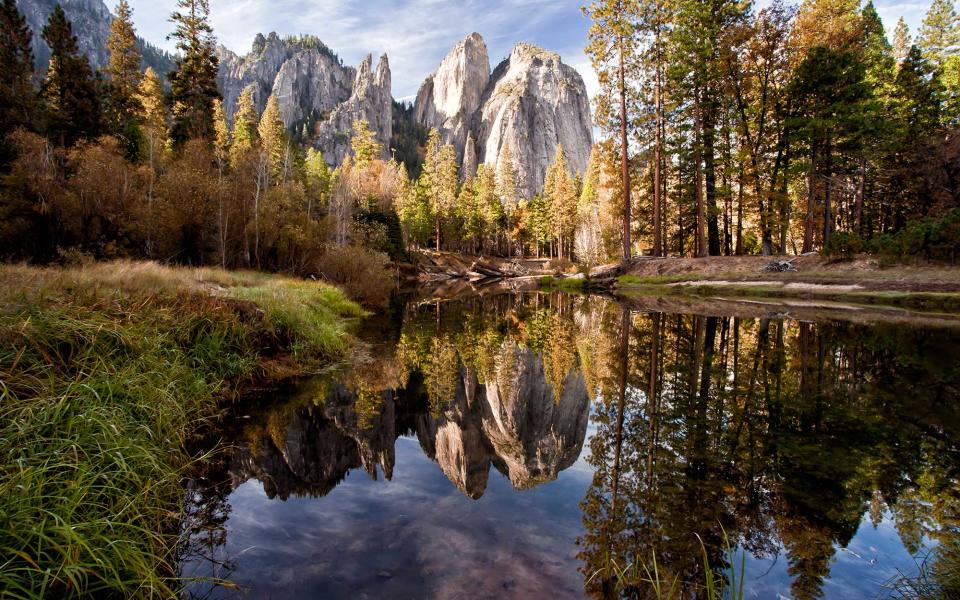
x=862, y=570
x=419, y=536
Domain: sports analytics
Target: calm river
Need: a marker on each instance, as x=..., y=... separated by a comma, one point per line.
x=550, y=446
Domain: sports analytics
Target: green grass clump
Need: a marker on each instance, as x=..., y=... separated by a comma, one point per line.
x=105, y=374
x=566, y=284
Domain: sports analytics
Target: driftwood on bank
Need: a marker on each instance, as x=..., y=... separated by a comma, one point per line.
x=780, y=266
x=441, y=266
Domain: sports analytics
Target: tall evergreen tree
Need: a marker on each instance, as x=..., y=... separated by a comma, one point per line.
x=613, y=50
x=123, y=69
x=506, y=188
x=901, y=40
x=939, y=36
x=273, y=138
x=829, y=92
x=70, y=90
x=701, y=27
x=245, y=121
x=193, y=83
x=19, y=106
x=364, y=143
x=123, y=109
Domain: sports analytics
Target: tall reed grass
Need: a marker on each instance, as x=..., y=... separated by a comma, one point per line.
x=105, y=374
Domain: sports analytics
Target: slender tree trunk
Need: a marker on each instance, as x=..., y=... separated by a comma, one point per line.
x=784, y=200
x=624, y=158
x=710, y=174
x=827, y=214
x=740, y=184
x=701, y=245
x=657, y=147
x=861, y=192
x=811, y=200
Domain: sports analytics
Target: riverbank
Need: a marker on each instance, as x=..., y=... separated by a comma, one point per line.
x=106, y=374
x=864, y=281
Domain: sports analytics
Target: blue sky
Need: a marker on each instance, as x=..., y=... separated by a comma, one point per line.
x=417, y=34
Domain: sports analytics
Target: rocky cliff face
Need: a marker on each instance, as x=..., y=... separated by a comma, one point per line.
x=90, y=20
x=449, y=98
x=532, y=101
x=319, y=97
x=370, y=99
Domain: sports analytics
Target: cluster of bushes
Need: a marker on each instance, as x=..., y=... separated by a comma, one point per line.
x=936, y=239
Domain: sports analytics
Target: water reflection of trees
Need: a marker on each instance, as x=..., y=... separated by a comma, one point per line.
x=481, y=384
x=782, y=434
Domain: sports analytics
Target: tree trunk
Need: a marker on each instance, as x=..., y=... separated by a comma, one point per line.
x=657, y=155
x=701, y=245
x=811, y=200
x=861, y=192
x=624, y=165
x=740, y=183
x=710, y=175
x=827, y=216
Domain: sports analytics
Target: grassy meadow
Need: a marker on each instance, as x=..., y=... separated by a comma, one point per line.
x=107, y=372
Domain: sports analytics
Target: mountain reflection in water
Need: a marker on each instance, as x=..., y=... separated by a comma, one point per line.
x=827, y=451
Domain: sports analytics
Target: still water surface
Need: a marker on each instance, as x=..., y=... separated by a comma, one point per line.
x=530, y=446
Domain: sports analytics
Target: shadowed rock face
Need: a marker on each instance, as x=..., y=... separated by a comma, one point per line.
x=90, y=20
x=313, y=89
x=531, y=102
x=369, y=100
x=518, y=428
x=307, y=79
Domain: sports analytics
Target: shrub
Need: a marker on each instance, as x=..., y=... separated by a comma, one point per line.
x=844, y=245
x=561, y=265
x=362, y=273
x=932, y=239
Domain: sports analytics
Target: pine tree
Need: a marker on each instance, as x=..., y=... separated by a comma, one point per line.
x=193, y=83
x=939, y=36
x=70, y=89
x=273, y=139
x=561, y=201
x=506, y=182
x=221, y=137
x=469, y=216
x=613, y=50
x=833, y=24
x=364, y=144
x=901, y=40
x=589, y=234
x=489, y=204
x=221, y=153
x=123, y=70
x=318, y=179
x=829, y=94
x=245, y=121
x=18, y=99
x=150, y=96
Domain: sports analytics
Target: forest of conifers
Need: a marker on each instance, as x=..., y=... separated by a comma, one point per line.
x=776, y=130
